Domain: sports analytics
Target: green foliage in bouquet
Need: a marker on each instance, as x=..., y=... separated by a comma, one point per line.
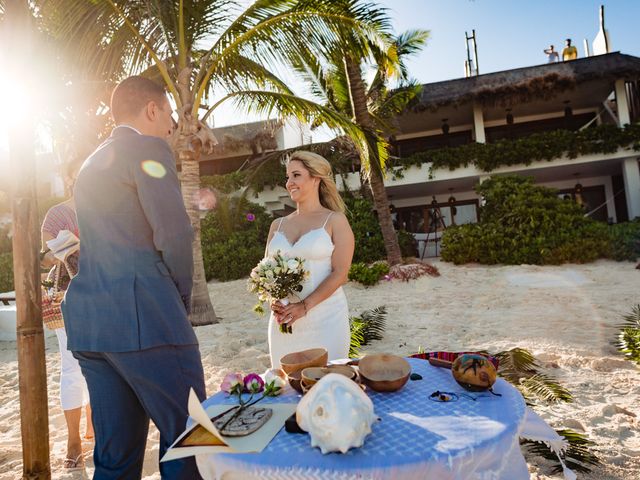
x=233, y=238
x=628, y=341
x=367, y=233
x=369, y=326
x=523, y=223
x=368, y=274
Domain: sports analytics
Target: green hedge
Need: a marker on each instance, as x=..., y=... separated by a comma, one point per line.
x=548, y=146
x=522, y=223
x=6, y=272
x=234, y=238
x=367, y=233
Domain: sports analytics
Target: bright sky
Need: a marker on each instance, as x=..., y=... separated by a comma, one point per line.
x=510, y=34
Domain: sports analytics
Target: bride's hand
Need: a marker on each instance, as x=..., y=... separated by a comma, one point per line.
x=277, y=307
x=291, y=313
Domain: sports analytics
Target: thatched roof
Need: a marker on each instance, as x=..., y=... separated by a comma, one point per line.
x=522, y=84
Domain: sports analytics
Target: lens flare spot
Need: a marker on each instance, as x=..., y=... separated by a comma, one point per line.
x=153, y=168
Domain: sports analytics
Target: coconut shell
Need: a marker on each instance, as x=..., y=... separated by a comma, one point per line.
x=474, y=372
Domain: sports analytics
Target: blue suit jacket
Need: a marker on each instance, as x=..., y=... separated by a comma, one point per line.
x=136, y=263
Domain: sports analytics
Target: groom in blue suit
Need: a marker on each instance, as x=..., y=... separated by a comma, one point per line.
x=126, y=311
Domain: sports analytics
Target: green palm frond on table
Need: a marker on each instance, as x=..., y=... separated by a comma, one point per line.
x=369, y=326
x=519, y=367
x=628, y=341
x=578, y=455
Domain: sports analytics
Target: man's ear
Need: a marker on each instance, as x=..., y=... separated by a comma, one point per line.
x=151, y=111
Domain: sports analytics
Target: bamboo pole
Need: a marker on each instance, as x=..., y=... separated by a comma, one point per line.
x=34, y=415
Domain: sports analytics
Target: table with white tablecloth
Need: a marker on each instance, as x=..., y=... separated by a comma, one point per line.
x=415, y=437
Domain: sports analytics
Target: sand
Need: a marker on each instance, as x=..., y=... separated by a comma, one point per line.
x=565, y=315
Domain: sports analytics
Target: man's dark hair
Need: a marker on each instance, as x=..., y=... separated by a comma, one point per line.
x=133, y=94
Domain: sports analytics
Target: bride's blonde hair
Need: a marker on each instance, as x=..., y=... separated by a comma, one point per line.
x=319, y=167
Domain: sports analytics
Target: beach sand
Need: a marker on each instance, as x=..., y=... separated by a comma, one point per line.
x=565, y=315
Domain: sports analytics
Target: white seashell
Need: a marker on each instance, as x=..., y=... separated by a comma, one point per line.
x=337, y=414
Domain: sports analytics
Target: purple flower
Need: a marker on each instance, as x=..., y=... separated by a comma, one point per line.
x=251, y=217
x=232, y=383
x=253, y=383
x=387, y=278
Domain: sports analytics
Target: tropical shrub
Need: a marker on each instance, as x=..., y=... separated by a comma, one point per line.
x=625, y=240
x=523, y=223
x=233, y=238
x=628, y=341
x=368, y=274
x=6, y=272
x=367, y=233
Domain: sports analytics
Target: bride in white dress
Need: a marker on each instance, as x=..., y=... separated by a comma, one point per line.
x=318, y=231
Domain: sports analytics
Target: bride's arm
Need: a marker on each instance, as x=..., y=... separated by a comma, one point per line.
x=272, y=231
x=344, y=244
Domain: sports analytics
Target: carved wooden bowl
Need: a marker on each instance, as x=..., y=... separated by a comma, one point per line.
x=311, y=375
x=384, y=372
x=314, y=357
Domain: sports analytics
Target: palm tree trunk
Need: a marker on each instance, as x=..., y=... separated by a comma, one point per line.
x=376, y=180
x=202, y=312
x=32, y=369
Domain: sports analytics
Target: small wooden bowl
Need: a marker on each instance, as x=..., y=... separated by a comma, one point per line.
x=314, y=357
x=384, y=372
x=294, y=379
x=311, y=375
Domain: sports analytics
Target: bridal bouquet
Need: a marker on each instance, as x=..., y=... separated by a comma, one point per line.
x=275, y=278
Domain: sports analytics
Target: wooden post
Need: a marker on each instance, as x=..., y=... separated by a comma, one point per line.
x=34, y=415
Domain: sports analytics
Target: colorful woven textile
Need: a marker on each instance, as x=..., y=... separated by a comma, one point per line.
x=451, y=356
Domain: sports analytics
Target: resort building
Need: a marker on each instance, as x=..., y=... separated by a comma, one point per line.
x=561, y=123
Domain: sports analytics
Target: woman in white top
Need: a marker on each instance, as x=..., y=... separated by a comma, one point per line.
x=319, y=232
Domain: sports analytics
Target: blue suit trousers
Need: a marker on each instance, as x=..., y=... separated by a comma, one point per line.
x=127, y=389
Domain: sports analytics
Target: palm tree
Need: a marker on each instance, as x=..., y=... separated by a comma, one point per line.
x=372, y=107
x=166, y=41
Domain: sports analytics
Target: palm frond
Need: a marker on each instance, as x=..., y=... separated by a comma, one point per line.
x=544, y=388
x=628, y=341
x=357, y=339
x=371, y=324
x=578, y=456
x=520, y=368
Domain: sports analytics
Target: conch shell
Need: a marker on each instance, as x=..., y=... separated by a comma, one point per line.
x=337, y=414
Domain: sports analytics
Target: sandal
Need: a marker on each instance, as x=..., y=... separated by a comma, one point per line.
x=74, y=463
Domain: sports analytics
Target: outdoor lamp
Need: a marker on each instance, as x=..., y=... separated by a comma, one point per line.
x=509, y=117
x=577, y=188
x=445, y=126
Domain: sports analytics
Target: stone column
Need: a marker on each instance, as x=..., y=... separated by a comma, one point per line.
x=478, y=123
x=631, y=176
x=621, y=101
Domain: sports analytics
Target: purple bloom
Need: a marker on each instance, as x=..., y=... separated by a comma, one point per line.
x=251, y=217
x=232, y=383
x=253, y=383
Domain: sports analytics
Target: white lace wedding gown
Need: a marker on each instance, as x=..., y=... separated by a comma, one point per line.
x=325, y=325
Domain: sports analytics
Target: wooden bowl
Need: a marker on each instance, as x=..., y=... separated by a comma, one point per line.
x=314, y=357
x=294, y=379
x=311, y=375
x=384, y=372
